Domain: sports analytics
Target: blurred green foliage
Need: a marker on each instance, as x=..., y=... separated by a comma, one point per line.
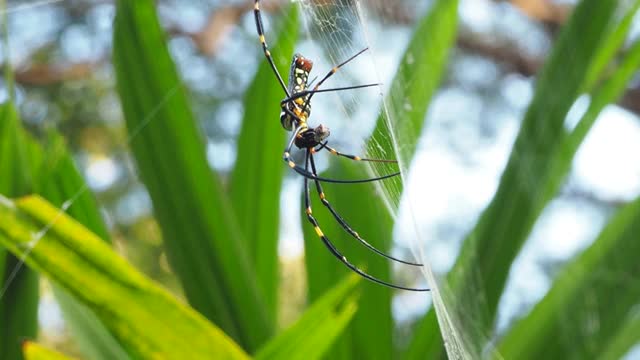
x=221, y=235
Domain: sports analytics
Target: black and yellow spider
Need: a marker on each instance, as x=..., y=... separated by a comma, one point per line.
x=296, y=109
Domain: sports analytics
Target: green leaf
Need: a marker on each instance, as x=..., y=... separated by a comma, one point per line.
x=14, y=157
x=358, y=205
x=200, y=231
x=19, y=305
x=3, y=261
x=589, y=289
x=52, y=174
x=314, y=333
x=611, y=44
x=146, y=319
x=35, y=351
x=501, y=231
x=93, y=339
x=625, y=338
x=61, y=184
x=18, y=285
x=421, y=69
x=257, y=177
x=610, y=91
x=538, y=164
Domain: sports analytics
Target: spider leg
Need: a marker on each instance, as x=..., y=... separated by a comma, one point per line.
x=343, y=222
x=265, y=47
x=348, y=156
x=287, y=159
x=312, y=81
x=304, y=93
x=336, y=68
x=322, y=146
x=316, y=89
x=332, y=248
x=330, y=73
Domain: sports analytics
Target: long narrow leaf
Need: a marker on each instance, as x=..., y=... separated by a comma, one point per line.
x=60, y=182
x=198, y=225
x=611, y=44
x=624, y=339
x=18, y=285
x=35, y=351
x=561, y=325
x=314, y=333
x=257, y=176
x=531, y=177
x=416, y=81
x=358, y=205
x=503, y=227
x=56, y=178
x=94, y=340
x=145, y=318
x=609, y=92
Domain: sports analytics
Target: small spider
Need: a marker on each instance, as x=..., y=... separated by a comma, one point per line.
x=296, y=109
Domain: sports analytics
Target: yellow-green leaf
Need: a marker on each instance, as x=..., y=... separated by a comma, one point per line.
x=18, y=285
x=147, y=320
x=314, y=333
x=35, y=351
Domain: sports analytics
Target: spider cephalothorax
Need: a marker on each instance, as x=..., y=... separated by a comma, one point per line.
x=310, y=138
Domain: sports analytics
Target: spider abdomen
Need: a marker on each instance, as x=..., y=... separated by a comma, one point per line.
x=299, y=109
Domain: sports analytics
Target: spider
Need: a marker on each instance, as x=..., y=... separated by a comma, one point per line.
x=296, y=109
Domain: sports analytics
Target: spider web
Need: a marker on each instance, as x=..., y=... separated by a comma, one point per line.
x=336, y=30
x=341, y=28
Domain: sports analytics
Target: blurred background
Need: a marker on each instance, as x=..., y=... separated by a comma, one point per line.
x=61, y=54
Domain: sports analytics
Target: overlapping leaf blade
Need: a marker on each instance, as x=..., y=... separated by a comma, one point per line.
x=18, y=286
x=94, y=340
x=357, y=205
x=539, y=162
x=316, y=330
x=35, y=351
x=53, y=174
x=146, y=319
x=596, y=274
x=561, y=325
x=199, y=228
x=61, y=184
x=418, y=77
x=625, y=338
x=611, y=90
